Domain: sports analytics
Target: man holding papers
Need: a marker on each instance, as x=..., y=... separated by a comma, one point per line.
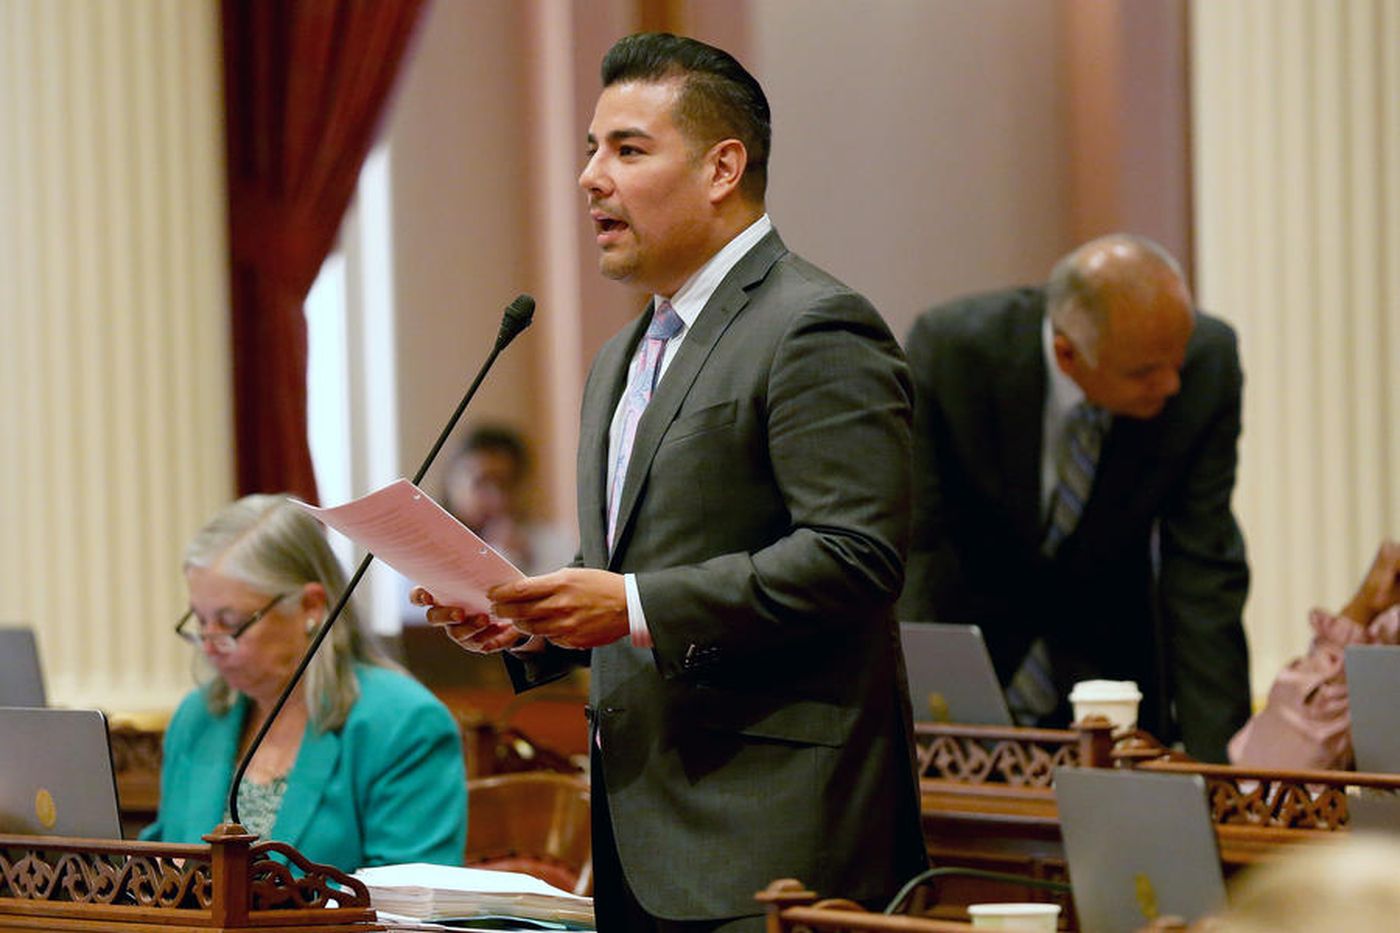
x=743, y=480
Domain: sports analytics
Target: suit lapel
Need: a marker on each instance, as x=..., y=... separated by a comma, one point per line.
x=211, y=765
x=316, y=760
x=599, y=403
x=1021, y=407
x=1130, y=453
x=719, y=312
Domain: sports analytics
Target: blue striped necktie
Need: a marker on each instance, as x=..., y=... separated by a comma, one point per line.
x=1031, y=693
x=646, y=371
x=1079, y=459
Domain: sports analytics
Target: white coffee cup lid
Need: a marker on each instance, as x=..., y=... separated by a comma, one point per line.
x=1089, y=691
x=1028, y=909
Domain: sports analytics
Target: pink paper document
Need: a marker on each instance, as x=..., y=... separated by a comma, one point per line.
x=402, y=526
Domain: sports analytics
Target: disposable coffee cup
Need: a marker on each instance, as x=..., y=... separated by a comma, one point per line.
x=1028, y=917
x=1115, y=700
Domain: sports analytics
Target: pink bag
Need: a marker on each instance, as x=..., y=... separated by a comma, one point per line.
x=1306, y=723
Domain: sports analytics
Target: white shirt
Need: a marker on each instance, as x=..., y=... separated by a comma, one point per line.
x=1061, y=395
x=688, y=301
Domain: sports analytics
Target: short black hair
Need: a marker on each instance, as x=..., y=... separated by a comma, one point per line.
x=501, y=439
x=719, y=99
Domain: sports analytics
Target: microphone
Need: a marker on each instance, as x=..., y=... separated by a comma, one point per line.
x=517, y=317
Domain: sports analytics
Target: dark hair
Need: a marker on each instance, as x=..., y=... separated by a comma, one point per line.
x=719, y=99
x=502, y=439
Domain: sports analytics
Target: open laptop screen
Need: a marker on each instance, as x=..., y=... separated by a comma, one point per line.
x=56, y=775
x=1139, y=846
x=951, y=678
x=21, y=683
x=1373, y=679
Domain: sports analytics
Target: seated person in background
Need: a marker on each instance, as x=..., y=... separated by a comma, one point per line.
x=1307, y=721
x=362, y=767
x=483, y=490
x=1348, y=884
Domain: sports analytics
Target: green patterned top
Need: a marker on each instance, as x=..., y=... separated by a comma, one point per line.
x=258, y=805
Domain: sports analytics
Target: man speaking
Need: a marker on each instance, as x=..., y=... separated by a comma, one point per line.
x=743, y=487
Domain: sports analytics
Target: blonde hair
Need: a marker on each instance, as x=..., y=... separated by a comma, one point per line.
x=1348, y=884
x=271, y=545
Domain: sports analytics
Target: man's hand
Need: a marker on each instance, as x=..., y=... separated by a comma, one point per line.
x=1381, y=587
x=476, y=632
x=574, y=608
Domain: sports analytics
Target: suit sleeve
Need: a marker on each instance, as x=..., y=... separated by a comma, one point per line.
x=836, y=428
x=1204, y=580
x=932, y=560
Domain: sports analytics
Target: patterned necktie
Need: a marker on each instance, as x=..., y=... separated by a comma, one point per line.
x=1079, y=458
x=1031, y=693
x=646, y=369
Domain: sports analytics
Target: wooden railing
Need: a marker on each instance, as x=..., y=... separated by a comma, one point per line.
x=49, y=885
x=988, y=802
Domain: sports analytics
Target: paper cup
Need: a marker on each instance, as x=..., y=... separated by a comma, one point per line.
x=1116, y=700
x=1030, y=917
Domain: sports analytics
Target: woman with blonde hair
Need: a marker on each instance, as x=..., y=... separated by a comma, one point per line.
x=362, y=767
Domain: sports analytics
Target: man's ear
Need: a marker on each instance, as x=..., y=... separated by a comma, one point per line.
x=727, y=160
x=1067, y=356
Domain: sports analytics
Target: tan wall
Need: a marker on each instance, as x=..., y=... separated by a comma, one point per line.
x=920, y=152
x=923, y=148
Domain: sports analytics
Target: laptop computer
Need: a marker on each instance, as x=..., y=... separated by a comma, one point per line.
x=21, y=681
x=1374, y=811
x=56, y=776
x=1139, y=846
x=951, y=678
x=1373, y=683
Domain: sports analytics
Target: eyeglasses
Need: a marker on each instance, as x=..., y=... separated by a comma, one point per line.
x=221, y=642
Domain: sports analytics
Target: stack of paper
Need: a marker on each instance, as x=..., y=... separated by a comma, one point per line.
x=433, y=892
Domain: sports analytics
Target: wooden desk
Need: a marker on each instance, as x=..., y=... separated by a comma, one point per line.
x=52, y=885
x=987, y=801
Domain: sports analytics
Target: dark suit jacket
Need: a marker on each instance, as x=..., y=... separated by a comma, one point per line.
x=979, y=372
x=765, y=514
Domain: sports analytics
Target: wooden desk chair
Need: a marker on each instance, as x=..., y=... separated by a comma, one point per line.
x=536, y=822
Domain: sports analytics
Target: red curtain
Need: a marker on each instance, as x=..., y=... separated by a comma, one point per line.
x=305, y=83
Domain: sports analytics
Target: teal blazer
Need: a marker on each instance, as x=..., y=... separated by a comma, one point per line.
x=389, y=786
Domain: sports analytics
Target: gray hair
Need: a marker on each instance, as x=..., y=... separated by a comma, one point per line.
x=272, y=546
x=1074, y=296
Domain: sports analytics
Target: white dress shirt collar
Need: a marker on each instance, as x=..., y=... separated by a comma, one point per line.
x=690, y=299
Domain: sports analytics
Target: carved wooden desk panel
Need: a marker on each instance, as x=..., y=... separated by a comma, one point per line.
x=48, y=884
x=987, y=801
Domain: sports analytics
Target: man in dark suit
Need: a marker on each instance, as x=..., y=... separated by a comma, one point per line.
x=1139, y=573
x=743, y=486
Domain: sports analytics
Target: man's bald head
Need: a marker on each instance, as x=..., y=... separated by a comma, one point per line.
x=1122, y=316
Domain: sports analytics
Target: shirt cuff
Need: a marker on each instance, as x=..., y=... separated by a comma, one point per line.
x=636, y=619
x=531, y=645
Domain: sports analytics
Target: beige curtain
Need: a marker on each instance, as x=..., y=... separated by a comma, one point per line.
x=1297, y=200
x=114, y=399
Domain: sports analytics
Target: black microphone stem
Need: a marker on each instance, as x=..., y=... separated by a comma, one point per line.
x=517, y=317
